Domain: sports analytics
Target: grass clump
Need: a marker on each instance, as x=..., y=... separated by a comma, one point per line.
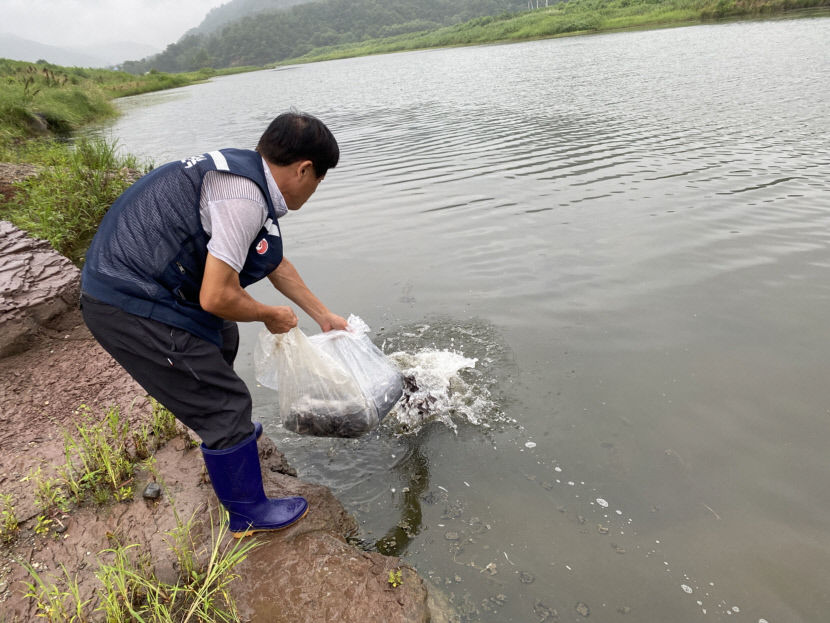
x=66, y=201
x=130, y=591
x=9, y=524
x=56, y=602
x=102, y=456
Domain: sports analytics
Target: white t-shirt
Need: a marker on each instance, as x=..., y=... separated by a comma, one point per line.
x=233, y=211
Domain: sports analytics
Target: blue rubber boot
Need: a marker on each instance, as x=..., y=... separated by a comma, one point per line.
x=258, y=429
x=237, y=480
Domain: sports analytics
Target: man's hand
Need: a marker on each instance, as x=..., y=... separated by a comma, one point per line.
x=280, y=319
x=331, y=321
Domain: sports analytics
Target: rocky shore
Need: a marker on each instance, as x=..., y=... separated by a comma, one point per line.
x=49, y=366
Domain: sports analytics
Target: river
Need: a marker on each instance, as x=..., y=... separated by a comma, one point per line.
x=630, y=234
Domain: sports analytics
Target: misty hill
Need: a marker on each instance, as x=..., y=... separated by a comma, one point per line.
x=19, y=49
x=275, y=35
x=237, y=9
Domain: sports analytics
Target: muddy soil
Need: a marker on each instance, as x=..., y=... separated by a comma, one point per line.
x=306, y=573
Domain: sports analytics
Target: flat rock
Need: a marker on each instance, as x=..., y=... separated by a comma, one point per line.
x=37, y=284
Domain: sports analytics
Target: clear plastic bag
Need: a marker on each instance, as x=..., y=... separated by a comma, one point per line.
x=379, y=379
x=335, y=384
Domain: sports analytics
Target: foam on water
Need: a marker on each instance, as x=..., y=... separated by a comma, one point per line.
x=434, y=390
x=449, y=369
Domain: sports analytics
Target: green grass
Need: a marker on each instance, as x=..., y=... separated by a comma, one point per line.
x=42, y=98
x=566, y=18
x=102, y=454
x=9, y=524
x=128, y=589
x=66, y=201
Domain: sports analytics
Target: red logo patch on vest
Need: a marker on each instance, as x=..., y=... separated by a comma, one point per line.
x=262, y=246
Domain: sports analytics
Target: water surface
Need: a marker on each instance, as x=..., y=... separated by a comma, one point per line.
x=629, y=233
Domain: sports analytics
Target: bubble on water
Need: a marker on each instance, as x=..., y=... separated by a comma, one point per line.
x=687, y=589
x=530, y=444
x=602, y=503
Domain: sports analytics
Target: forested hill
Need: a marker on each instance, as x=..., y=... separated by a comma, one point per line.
x=279, y=34
x=237, y=9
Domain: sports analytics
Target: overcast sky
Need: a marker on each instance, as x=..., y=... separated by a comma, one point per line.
x=81, y=23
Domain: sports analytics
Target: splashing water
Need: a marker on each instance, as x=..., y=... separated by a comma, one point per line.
x=445, y=384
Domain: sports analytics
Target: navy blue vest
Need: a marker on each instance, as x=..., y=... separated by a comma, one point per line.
x=148, y=256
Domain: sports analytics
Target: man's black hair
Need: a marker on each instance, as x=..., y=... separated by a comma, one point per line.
x=295, y=136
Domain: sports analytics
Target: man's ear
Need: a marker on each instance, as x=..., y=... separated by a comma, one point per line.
x=305, y=167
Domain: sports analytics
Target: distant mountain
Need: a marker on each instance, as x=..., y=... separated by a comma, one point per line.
x=117, y=52
x=108, y=55
x=237, y=9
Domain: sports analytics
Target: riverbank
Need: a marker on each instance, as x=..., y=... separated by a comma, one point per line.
x=71, y=551
x=42, y=100
x=106, y=512
x=574, y=18
x=62, y=562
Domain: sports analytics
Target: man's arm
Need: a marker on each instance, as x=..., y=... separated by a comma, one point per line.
x=287, y=280
x=222, y=295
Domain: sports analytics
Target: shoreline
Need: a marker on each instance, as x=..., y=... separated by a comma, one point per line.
x=353, y=50
x=58, y=377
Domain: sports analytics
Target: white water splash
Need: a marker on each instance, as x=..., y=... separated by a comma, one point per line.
x=434, y=390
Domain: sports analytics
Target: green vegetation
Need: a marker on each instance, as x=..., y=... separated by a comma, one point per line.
x=39, y=99
x=268, y=37
x=337, y=28
x=101, y=459
x=566, y=18
x=130, y=591
x=65, y=202
x=40, y=106
x=9, y=524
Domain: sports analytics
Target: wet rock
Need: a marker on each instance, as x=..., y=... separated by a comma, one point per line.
x=276, y=461
x=492, y=568
x=526, y=578
x=37, y=284
x=582, y=609
x=152, y=491
x=316, y=566
x=602, y=529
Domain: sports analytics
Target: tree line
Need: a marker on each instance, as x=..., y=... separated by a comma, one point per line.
x=272, y=36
